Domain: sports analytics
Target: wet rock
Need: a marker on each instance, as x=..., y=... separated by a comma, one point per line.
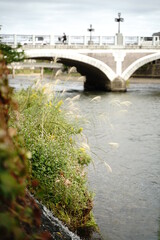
x=54, y=226
x=88, y=233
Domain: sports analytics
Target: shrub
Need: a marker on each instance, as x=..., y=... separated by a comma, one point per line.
x=58, y=178
x=19, y=215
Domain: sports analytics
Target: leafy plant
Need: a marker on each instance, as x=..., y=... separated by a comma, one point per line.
x=19, y=214
x=57, y=162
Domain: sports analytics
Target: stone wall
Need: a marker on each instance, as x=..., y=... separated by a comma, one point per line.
x=149, y=70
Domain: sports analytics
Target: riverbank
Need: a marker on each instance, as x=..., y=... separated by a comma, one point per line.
x=62, y=77
x=144, y=80
x=57, y=177
x=79, y=78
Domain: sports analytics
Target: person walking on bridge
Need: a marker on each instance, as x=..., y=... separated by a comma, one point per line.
x=64, y=38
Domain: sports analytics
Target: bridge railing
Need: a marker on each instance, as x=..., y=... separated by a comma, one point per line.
x=85, y=40
x=142, y=41
x=7, y=39
x=108, y=40
x=76, y=40
x=14, y=40
x=131, y=40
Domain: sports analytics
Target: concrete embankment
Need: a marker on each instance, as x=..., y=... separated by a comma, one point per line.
x=146, y=80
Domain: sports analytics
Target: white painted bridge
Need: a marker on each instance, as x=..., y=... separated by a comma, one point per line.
x=105, y=69
x=106, y=66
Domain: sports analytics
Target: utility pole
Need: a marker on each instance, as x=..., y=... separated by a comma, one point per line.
x=119, y=19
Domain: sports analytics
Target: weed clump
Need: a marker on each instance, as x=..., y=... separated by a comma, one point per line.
x=57, y=164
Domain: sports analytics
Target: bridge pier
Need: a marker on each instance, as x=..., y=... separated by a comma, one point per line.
x=96, y=87
x=118, y=85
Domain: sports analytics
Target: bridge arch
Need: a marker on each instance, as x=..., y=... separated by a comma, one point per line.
x=98, y=74
x=139, y=63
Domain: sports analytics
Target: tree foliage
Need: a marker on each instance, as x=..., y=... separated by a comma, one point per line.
x=11, y=54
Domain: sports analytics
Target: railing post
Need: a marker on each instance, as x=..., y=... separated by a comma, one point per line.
x=124, y=41
x=100, y=40
x=84, y=40
x=69, y=39
x=33, y=40
x=139, y=40
x=154, y=40
x=120, y=39
x=15, y=40
x=115, y=40
x=51, y=40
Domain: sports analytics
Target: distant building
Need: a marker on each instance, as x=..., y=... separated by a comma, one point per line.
x=156, y=34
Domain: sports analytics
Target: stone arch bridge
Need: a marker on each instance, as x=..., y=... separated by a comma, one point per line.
x=105, y=69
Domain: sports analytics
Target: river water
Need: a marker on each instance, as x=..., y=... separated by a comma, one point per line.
x=123, y=132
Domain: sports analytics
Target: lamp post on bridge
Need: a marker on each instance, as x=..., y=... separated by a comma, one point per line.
x=119, y=35
x=90, y=30
x=119, y=19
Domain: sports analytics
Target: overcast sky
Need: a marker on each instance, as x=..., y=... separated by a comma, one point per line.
x=141, y=17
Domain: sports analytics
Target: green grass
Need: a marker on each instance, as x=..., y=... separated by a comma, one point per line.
x=57, y=164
